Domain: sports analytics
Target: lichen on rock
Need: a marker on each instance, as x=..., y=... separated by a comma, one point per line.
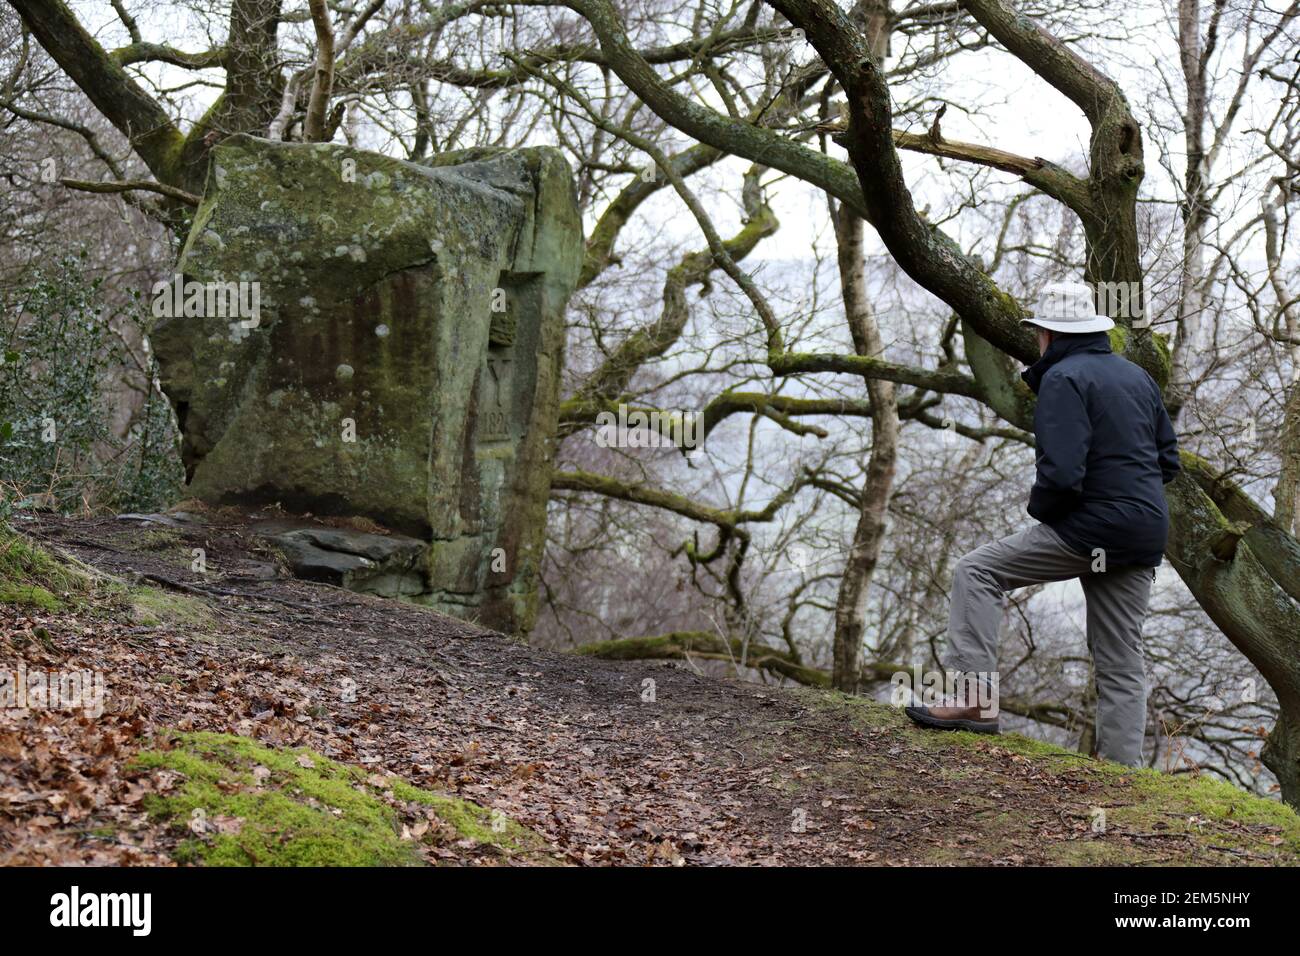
x=404, y=362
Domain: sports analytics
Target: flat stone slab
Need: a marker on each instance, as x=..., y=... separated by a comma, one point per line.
x=170, y=519
x=392, y=566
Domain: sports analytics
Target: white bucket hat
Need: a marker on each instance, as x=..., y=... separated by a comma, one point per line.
x=1067, y=307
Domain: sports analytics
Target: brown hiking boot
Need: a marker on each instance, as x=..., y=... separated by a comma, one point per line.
x=953, y=714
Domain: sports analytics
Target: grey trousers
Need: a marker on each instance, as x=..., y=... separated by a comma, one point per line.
x=1117, y=605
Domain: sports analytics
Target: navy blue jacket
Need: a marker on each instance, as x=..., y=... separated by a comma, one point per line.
x=1106, y=448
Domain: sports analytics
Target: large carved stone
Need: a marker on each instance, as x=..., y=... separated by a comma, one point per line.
x=404, y=363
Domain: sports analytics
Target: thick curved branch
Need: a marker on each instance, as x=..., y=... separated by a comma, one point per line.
x=137, y=115
x=1073, y=76
x=926, y=253
x=781, y=409
x=141, y=52
x=752, y=142
x=612, y=378
x=600, y=245
x=938, y=380
x=727, y=519
x=376, y=55
x=1048, y=178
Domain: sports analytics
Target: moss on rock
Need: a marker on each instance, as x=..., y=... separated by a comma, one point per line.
x=404, y=362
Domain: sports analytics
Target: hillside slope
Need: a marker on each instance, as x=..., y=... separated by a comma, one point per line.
x=256, y=719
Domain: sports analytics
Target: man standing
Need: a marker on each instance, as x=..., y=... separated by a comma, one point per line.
x=1105, y=448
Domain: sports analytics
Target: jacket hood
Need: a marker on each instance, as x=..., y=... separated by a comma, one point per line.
x=1060, y=348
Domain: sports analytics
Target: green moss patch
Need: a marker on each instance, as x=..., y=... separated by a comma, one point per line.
x=152, y=607
x=167, y=543
x=29, y=595
x=1206, y=806
x=1149, y=816
x=32, y=577
x=240, y=803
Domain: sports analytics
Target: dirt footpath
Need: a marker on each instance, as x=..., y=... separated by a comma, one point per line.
x=610, y=762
